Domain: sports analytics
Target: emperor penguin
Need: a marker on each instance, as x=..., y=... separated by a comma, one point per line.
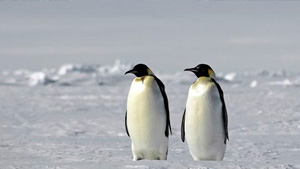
x=147, y=119
x=204, y=122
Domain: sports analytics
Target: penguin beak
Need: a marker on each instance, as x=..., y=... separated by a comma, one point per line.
x=130, y=71
x=191, y=70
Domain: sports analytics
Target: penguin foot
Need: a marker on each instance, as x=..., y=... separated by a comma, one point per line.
x=136, y=158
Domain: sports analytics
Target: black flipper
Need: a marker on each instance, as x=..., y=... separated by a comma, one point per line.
x=126, y=124
x=163, y=92
x=224, y=111
x=182, y=127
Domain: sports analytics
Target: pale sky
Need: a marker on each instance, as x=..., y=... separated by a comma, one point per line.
x=166, y=35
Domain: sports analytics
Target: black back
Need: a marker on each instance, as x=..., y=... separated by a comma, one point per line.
x=166, y=103
x=183, y=127
x=126, y=125
x=224, y=111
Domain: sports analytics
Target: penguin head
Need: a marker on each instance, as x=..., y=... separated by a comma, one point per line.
x=202, y=70
x=140, y=70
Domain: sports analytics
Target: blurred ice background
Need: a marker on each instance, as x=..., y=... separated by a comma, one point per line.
x=167, y=35
x=63, y=91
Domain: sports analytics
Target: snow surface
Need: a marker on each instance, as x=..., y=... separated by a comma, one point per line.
x=73, y=117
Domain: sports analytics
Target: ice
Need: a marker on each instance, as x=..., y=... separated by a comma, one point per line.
x=253, y=84
x=137, y=166
x=39, y=78
x=285, y=82
x=67, y=120
x=230, y=76
x=64, y=69
x=117, y=68
x=5, y=73
x=21, y=72
x=69, y=75
x=280, y=73
x=67, y=68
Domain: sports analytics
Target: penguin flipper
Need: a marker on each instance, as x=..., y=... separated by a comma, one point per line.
x=166, y=103
x=224, y=111
x=126, y=124
x=182, y=127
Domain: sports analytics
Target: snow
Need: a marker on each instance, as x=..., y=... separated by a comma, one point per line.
x=253, y=84
x=117, y=68
x=39, y=78
x=69, y=68
x=285, y=82
x=81, y=125
x=230, y=76
x=64, y=69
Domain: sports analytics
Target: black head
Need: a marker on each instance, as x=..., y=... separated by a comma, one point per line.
x=202, y=70
x=140, y=70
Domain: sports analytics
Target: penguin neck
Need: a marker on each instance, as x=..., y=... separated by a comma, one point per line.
x=150, y=73
x=201, y=85
x=145, y=80
x=203, y=80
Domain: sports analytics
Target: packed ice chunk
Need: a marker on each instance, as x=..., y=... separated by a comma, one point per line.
x=118, y=67
x=285, y=82
x=64, y=69
x=253, y=84
x=230, y=76
x=39, y=78
x=21, y=72
x=67, y=68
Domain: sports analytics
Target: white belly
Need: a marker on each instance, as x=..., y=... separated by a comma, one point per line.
x=203, y=123
x=146, y=120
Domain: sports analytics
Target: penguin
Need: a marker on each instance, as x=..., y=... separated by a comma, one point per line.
x=204, y=122
x=147, y=119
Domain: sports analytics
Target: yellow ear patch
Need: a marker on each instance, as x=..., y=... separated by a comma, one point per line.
x=149, y=71
x=211, y=73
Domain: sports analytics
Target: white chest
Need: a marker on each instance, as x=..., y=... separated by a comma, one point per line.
x=204, y=121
